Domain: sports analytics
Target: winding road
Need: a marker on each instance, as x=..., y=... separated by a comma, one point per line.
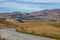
x=11, y=34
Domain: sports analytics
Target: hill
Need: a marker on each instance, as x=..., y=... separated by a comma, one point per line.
x=9, y=22
x=50, y=15
x=46, y=29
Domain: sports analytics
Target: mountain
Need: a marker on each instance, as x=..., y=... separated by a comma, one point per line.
x=52, y=15
x=48, y=14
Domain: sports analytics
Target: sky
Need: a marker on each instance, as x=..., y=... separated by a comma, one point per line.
x=28, y=5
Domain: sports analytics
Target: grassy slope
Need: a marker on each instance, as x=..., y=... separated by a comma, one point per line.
x=47, y=29
x=6, y=23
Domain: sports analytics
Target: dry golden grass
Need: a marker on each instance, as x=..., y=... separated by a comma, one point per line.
x=3, y=26
x=6, y=24
x=48, y=29
x=41, y=28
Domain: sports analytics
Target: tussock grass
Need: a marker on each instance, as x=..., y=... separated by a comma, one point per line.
x=45, y=29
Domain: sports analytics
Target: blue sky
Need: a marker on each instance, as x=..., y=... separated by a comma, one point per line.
x=28, y=5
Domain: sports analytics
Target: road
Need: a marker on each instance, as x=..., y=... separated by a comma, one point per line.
x=11, y=34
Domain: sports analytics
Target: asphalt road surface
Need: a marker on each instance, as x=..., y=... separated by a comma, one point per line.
x=11, y=34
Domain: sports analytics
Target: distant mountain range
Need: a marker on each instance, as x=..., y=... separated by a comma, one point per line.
x=53, y=15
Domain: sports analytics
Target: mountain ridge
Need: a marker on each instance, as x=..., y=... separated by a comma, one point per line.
x=53, y=14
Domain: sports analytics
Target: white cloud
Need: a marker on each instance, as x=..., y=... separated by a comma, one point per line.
x=19, y=6
x=39, y=0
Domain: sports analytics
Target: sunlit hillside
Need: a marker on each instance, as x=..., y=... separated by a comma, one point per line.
x=41, y=28
x=51, y=29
